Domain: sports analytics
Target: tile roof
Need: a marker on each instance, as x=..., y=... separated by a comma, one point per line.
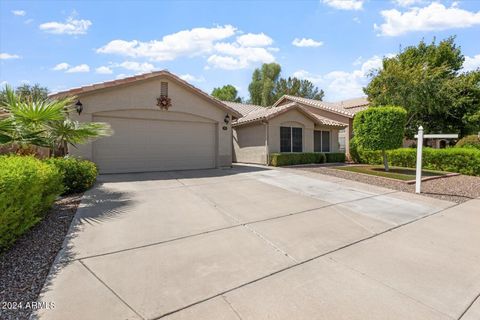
x=144, y=76
x=265, y=113
x=243, y=108
x=346, y=107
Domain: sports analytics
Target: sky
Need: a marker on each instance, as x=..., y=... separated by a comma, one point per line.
x=333, y=43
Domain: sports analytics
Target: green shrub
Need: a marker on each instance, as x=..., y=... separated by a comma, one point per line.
x=472, y=141
x=461, y=160
x=78, y=175
x=354, y=151
x=28, y=187
x=380, y=128
x=287, y=159
x=335, y=157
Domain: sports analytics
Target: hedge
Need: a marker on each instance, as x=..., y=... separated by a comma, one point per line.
x=291, y=158
x=78, y=175
x=335, y=157
x=461, y=160
x=28, y=188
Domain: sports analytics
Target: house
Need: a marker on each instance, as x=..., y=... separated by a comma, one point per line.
x=293, y=124
x=192, y=130
x=161, y=123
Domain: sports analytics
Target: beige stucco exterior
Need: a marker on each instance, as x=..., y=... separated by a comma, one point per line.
x=137, y=101
x=252, y=142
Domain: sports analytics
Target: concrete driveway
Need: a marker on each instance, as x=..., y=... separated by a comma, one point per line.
x=260, y=243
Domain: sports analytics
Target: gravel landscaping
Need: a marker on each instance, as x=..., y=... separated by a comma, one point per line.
x=458, y=189
x=25, y=266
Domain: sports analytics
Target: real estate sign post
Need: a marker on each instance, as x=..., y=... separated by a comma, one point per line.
x=420, y=136
x=418, y=175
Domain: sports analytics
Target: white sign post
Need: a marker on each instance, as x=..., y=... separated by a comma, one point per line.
x=420, y=136
x=418, y=176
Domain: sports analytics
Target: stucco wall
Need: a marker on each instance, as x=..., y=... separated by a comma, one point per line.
x=249, y=143
x=139, y=100
x=292, y=118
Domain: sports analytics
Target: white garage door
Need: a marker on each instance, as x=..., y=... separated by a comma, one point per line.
x=155, y=145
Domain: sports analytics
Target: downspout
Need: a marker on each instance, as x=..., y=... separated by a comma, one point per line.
x=267, y=152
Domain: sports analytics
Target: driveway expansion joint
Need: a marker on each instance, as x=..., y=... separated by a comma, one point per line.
x=469, y=306
x=110, y=289
x=231, y=307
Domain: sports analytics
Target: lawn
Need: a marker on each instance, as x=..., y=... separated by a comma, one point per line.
x=398, y=173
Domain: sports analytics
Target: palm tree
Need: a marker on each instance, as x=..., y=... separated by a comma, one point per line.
x=44, y=123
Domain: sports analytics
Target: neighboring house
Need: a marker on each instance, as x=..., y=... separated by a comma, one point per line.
x=293, y=124
x=191, y=134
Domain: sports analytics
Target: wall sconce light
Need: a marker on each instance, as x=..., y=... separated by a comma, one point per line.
x=79, y=107
x=226, y=119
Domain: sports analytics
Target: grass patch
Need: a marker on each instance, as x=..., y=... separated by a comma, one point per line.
x=398, y=173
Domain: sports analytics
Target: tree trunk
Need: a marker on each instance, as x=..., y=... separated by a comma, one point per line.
x=385, y=160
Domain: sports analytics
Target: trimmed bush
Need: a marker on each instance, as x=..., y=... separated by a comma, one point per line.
x=461, y=160
x=335, y=157
x=472, y=141
x=78, y=175
x=28, y=188
x=354, y=151
x=292, y=158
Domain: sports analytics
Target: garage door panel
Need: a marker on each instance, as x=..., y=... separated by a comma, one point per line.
x=155, y=145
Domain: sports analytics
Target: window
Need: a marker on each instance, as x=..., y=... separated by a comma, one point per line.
x=321, y=141
x=341, y=140
x=291, y=139
x=164, y=89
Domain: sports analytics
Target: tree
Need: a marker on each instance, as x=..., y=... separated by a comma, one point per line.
x=44, y=123
x=380, y=128
x=226, y=93
x=296, y=87
x=27, y=92
x=427, y=80
x=267, y=86
x=263, y=83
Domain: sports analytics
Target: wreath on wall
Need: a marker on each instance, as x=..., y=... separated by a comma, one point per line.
x=164, y=102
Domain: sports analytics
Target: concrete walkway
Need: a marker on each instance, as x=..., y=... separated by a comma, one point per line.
x=260, y=243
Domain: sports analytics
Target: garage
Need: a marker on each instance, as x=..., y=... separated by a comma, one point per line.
x=141, y=145
x=159, y=121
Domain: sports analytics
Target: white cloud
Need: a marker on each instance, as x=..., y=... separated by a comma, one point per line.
x=3, y=84
x=339, y=85
x=471, y=63
x=240, y=53
x=254, y=40
x=7, y=56
x=61, y=66
x=79, y=68
x=183, y=43
x=304, y=42
x=71, y=26
x=104, y=70
x=19, y=13
x=345, y=4
x=431, y=18
x=136, y=66
x=121, y=76
x=233, y=56
x=190, y=78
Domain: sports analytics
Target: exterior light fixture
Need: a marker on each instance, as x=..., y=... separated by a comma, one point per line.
x=79, y=107
x=226, y=119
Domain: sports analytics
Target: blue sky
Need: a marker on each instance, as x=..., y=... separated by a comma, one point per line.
x=333, y=43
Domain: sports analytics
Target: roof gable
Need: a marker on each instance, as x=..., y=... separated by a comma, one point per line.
x=265, y=114
x=142, y=77
x=346, y=108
